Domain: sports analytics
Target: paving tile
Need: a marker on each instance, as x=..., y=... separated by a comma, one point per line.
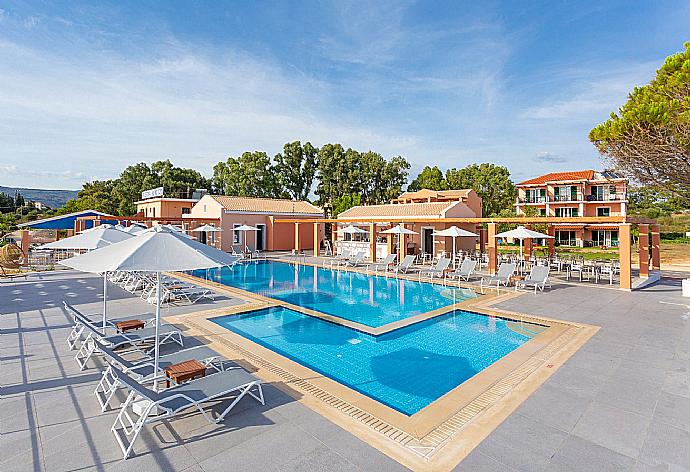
x=321, y=459
x=555, y=407
x=477, y=461
x=579, y=455
x=614, y=428
x=677, y=380
x=579, y=382
x=20, y=446
x=666, y=445
x=259, y=452
x=674, y=410
x=522, y=443
x=634, y=395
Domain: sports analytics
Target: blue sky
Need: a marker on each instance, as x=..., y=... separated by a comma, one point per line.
x=89, y=88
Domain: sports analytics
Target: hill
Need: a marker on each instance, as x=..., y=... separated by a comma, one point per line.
x=52, y=198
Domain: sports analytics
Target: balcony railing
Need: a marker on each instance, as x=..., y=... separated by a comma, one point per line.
x=577, y=198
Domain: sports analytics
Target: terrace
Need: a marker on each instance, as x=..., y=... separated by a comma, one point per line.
x=619, y=402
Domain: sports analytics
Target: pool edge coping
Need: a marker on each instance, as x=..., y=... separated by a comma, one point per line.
x=449, y=441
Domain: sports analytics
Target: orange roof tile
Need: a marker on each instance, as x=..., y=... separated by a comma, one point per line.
x=266, y=205
x=558, y=176
x=426, y=193
x=428, y=210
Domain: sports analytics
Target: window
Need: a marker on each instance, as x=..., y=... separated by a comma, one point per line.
x=235, y=234
x=598, y=193
x=603, y=211
x=542, y=212
x=567, y=212
x=566, y=238
x=535, y=195
x=186, y=211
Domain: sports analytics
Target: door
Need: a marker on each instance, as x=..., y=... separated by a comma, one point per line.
x=428, y=240
x=260, y=237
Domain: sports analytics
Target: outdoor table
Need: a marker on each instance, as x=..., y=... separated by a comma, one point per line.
x=184, y=371
x=129, y=325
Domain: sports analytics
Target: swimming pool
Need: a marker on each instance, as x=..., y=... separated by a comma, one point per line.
x=405, y=369
x=373, y=301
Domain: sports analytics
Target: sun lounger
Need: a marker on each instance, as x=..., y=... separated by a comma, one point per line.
x=406, y=265
x=537, y=278
x=385, y=265
x=438, y=270
x=143, y=370
x=158, y=406
x=78, y=329
x=465, y=271
x=356, y=260
x=338, y=258
x=132, y=339
x=505, y=272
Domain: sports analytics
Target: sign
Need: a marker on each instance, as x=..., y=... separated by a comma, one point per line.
x=153, y=193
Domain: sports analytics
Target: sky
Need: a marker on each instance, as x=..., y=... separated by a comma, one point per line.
x=89, y=88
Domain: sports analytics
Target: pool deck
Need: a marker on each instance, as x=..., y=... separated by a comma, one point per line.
x=622, y=402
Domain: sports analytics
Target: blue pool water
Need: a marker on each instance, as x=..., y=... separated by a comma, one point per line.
x=370, y=300
x=405, y=369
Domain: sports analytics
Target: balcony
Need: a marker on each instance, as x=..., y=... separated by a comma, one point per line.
x=610, y=197
x=573, y=198
x=533, y=200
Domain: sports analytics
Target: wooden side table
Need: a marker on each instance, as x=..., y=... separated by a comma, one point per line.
x=184, y=371
x=129, y=325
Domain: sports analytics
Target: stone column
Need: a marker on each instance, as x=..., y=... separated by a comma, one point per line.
x=493, y=252
x=372, y=242
x=644, y=250
x=297, y=248
x=401, y=245
x=25, y=243
x=625, y=256
x=656, y=247
x=317, y=241
x=551, y=243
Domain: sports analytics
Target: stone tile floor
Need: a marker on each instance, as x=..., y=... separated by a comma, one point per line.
x=620, y=403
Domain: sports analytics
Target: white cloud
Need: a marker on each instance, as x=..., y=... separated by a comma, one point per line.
x=593, y=94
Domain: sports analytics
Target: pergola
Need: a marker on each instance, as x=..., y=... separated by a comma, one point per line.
x=649, y=236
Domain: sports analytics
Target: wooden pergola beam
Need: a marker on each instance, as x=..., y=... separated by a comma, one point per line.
x=618, y=220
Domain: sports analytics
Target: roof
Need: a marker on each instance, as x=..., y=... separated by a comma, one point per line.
x=556, y=176
x=166, y=199
x=266, y=205
x=65, y=221
x=426, y=193
x=429, y=210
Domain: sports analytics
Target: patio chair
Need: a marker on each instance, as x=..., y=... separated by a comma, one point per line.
x=191, y=294
x=356, y=260
x=159, y=406
x=502, y=277
x=537, y=278
x=439, y=270
x=384, y=265
x=134, y=339
x=406, y=264
x=465, y=271
x=608, y=271
x=343, y=256
x=143, y=370
x=79, y=327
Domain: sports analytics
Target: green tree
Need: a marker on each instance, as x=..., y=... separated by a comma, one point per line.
x=19, y=200
x=128, y=187
x=649, y=138
x=8, y=223
x=430, y=178
x=491, y=182
x=345, y=202
x=96, y=195
x=381, y=180
x=6, y=203
x=250, y=175
x=338, y=172
x=295, y=169
x=652, y=201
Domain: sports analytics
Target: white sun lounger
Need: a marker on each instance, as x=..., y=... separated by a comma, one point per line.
x=406, y=264
x=438, y=270
x=143, y=370
x=465, y=271
x=167, y=404
x=356, y=260
x=342, y=257
x=505, y=272
x=133, y=339
x=384, y=265
x=537, y=278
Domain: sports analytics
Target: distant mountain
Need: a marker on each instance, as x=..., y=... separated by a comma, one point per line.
x=52, y=198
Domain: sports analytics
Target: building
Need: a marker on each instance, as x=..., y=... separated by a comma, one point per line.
x=232, y=212
x=165, y=208
x=425, y=205
x=585, y=193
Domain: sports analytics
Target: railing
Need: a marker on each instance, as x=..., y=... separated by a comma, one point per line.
x=577, y=198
